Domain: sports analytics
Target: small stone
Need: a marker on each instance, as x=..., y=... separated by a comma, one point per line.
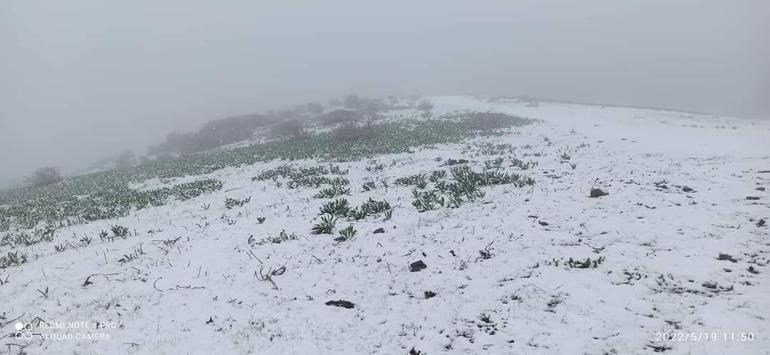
x=379, y=230
x=598, y=193
x=341, y=303
x=417, y=266
x=727, y=257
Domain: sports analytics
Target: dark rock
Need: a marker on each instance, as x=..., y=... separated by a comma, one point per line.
x=379, y=230
x=753, y=270
x=727, y=257
x=687, y=189
x=752, y=198
x=429, y=294
x=761, y=223
x=760, y=189
x=598, y=193
x=417, y=266
x=416, y=352
x=341, y=303
x=339, y=239
x=543, y=223
x=211, y=320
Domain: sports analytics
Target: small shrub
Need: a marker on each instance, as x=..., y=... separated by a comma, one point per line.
x=370, y=207
x=338, y=207
x=493, y=164
x=45, y=176
x=12, y=259
x=369, y=186
x=358, y=213
x=375, y=207
x=326, y=225
x=437, y=175
x=119, y=231
x=585, y=264
x=334, y=191
x=231, y=203
x=418, y=180
x=347, y=233
x=427, y=200
x=515, y=162
x=85, y=241
x=280, y=238
x=135, y=254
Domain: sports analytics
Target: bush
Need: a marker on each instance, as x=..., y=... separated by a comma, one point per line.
x=489, y=120
x=289, y=128
x=213, y=134
x=326, y=226
x=425, y=105
x=353, y=132
x=338, y=116
x=338, y=207
x=47, y=175
x=346, y=233
x=334, y=191
x=352, y=101
x=315, y=107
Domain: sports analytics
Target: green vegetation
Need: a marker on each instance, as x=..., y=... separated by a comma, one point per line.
x=346, y=233
x=464, y=186
x=108, y=194
x=12, y=259
x=326, y=226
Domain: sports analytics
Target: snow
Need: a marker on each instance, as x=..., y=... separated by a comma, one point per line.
x=659, y=247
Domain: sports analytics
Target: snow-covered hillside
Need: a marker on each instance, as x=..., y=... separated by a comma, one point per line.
x=678, y=248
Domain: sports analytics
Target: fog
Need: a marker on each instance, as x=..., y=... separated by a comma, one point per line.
x=84, y=80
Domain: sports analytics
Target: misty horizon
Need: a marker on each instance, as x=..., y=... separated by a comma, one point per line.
x=83, y=81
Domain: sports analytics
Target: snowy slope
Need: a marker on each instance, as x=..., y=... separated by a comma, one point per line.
x=497, y=279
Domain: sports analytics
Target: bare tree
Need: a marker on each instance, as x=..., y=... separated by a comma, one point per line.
x=46, y=175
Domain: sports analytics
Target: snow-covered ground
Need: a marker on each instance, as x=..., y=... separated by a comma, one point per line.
x=682, y=253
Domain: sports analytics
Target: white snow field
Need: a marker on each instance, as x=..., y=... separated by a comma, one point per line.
x=677, y=252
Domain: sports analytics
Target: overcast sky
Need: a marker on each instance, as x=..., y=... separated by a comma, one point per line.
x=82, y=80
